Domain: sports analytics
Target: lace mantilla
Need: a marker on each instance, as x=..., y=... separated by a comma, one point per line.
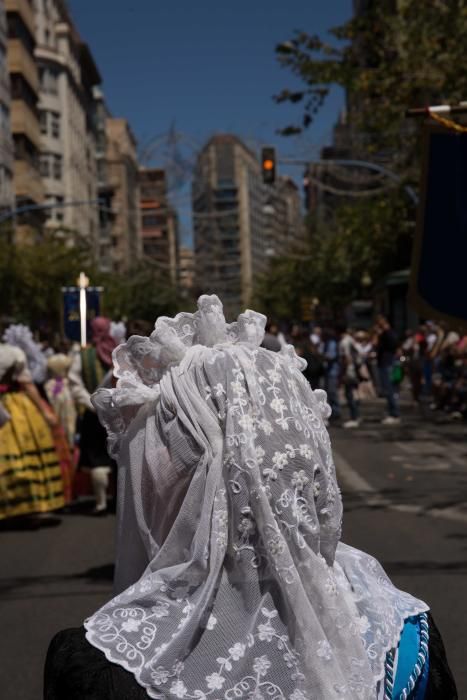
x=231, y=580
x=141, y=362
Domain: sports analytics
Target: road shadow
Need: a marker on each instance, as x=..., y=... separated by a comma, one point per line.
x=420, y=568
x=95, y=575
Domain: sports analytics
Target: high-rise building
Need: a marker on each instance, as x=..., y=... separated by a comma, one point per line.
x=229, y=229
x=6, y=141
x=293, y=235
x=186, y=271
x=123, y=178
x=105, y=190
x=24, y=82
x=67, y=74
x=159, y=234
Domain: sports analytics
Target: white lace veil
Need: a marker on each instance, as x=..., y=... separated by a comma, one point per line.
x=231, y=579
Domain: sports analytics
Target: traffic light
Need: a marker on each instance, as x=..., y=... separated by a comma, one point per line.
x=268, y=165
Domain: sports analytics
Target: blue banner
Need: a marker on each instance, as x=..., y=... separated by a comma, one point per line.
x=438, y=284
x=71, y=318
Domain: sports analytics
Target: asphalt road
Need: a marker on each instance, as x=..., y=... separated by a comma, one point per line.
x=405, y=500
x=405, y=497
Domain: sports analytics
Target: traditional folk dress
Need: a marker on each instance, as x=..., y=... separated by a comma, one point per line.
x=232, y=581
x=30, y=474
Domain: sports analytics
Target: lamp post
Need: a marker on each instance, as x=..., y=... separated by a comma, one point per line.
x=83, y=283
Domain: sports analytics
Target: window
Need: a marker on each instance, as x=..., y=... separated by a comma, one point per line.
x=43, y=121
x=57, y=167
x=45, y=165
x=151, y=221
x=59, y=212
x=48, y=78
x=55, y=125
x=20, y=90
x=17, y=29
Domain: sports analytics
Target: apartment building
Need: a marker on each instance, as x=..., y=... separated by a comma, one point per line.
x=67, y=77
x=24, y=84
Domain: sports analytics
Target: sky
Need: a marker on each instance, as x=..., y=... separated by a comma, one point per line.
x=206, y=67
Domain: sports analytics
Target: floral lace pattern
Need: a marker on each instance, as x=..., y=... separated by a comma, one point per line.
x=250, y=593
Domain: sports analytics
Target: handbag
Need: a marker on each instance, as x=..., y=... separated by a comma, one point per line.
x=397, y=373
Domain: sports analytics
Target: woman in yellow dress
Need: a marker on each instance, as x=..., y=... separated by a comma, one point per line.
x=30, y=474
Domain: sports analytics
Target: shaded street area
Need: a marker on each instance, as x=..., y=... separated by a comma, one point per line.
x=404, y=495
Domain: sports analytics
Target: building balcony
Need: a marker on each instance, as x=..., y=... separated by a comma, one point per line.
x=21, y=61
x=28, y=183
x=25, y=9
x=6, y=148
x=24, y=121
x=5, y=89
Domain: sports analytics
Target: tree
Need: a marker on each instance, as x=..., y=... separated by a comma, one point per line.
x=392, y=56
x=358, y=240
x=31, y=278
x=386, y=59
x=141, y=293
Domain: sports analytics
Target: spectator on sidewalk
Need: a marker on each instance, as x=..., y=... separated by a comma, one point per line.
x=365, y=348
x=350, y=361
x=331, y=371
x=413, y=348
x=386, y=349
x=314, y=370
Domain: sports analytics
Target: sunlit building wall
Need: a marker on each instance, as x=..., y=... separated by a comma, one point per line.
x=123, y=178
x=6, y=141
x=67, y=74
x=24, y=84
x=159, y=225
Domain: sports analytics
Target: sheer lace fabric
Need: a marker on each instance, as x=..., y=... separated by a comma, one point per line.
x=231, y=578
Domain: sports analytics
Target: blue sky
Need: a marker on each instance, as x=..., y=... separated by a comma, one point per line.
x=210, y=66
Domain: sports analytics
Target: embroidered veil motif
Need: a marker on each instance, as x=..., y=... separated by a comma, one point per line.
x=231, y=578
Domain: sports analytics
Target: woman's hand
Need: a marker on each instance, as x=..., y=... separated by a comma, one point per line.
x=51, y=419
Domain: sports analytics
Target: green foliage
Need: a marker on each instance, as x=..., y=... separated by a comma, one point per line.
x=359, y=240
x=32, y=276
x=142, y=293
x=387, y=61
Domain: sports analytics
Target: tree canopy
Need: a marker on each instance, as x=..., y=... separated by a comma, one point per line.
x=32, y=276
x=392, y=56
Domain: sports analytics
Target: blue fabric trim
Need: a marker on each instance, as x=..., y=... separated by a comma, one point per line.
x=422, y=683
x=411, y=675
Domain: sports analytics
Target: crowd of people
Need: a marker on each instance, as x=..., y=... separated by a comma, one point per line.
x=354, y=365
x=49, y=429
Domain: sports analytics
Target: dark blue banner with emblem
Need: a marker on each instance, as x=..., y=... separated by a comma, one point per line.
x=71, y=318
x=438, y=281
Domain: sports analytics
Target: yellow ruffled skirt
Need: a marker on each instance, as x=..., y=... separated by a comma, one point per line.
x=30, y=473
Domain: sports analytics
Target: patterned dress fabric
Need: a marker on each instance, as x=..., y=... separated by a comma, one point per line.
x=231, y=577
x=30, y=473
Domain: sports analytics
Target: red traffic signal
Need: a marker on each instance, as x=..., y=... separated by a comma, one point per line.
x=268, y=165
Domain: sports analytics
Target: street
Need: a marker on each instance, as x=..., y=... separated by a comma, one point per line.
x=404, y=492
